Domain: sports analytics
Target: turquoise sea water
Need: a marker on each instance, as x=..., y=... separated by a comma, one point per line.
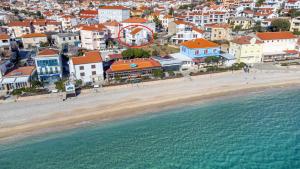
x=258, y=130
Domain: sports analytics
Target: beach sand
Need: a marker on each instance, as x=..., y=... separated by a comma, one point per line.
x=41, y=113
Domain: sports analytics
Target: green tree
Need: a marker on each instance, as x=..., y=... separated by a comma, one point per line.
x=60, y=85
x=257, y=27
x=135, y=53
x=280, y=25
x=293, y=13
x=158, y=73
x=260, y=2
x=157, y=22
x=171, y=11
x=155, y=53
x=212, y=59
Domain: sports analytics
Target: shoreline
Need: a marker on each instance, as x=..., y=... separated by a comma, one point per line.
x=125, y=110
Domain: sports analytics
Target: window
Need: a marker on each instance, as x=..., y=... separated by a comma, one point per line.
x=81, y=67
x=64, y=39
x=82, y=74
x=93, y=72
x=197, y=52
x=93, y=66
x=69, y=38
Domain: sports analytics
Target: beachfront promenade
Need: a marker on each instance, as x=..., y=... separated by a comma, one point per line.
x=40, y=112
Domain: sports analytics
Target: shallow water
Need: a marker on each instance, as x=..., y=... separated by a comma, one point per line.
x=258, y=130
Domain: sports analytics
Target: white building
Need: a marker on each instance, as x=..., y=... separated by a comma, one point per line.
x=189, y=33
x=65, y=39
x=278, y=45
x=34, y=40
x=118, y=13
x=49, y=65
x=94, y=36
x=4, y=42
x=88, y=68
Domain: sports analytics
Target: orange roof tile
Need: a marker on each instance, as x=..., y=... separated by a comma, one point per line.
x=21, y=71
x=112, y=23
x=34, y=35
x=199, y=43
x=48, y=52
x=275, y=35
x=89, y=57
x=114, y=7
x=4, y=37
x=135, y=20
x=141, y=63
x=89, y=12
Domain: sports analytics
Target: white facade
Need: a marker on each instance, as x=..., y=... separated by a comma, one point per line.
x=278, y=46
x=118, y=14
x=88, y=73
x=186, y=35
x=94, y=36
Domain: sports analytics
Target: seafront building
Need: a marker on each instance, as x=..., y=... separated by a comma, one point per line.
x=278, y=45
x=49, y=65
x=18, y=78
x=87, y=68
x=132, y=69
x=246, y=49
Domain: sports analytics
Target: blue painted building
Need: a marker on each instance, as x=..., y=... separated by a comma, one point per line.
x=49, y=65
x=199, y=48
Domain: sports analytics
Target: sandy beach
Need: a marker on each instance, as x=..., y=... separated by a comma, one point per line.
x=38, y=113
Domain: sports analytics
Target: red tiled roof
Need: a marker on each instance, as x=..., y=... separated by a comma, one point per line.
x=245, y=40
x=21, y=71
x=275, y=35
x=114, y=7
x=48, y=52
x=199, y=43
x=19, y=23
x=4, y=37
x=96, y=27
x=125, y=65
x=135, y=31
x=89, y=12
x=34, y=35
x=135, y=20
x=89, y=57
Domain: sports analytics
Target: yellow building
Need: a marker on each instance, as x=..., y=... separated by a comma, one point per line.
x=219, y=32
x=246, y=49
x=242, y=22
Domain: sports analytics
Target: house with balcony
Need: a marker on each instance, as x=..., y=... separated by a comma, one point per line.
x=88, y=68
x=295, y=24
x=49, y=65
x=189, y=33
x=93, y=37
x=33, y=40
x=62, y=40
